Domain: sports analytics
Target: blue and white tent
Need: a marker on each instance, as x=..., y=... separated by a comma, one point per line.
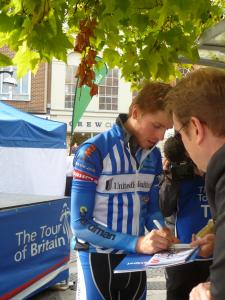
x=32, y=153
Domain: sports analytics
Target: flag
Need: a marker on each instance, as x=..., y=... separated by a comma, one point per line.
x=82, y=94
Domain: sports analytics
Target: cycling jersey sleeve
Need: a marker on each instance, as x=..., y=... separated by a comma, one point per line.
x=87, y=169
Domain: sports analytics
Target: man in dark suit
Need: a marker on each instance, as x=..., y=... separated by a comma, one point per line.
x=197, y=104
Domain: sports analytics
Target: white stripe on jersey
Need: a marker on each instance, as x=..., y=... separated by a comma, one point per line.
x=115, y=213
x=136, y=214
x=117, y=158
x=101, y=209
x=107, y=164
x=126, y=162
x=125, y=214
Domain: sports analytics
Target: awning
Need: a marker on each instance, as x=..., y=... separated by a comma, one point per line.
x=212, y=47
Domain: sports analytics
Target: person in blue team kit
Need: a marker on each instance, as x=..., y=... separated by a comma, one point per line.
x=115, y=197
x=183, y=200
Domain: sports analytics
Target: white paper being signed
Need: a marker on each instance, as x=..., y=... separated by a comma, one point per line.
x=166, y=258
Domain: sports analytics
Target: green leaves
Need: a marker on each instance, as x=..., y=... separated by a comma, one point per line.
x=34, y=31
x=144, y=38
x=6, y=23
x=5, y=60
x=112, y=57
x=122, y=5
x=26, y=60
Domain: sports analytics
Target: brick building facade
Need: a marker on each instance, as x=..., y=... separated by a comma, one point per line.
x=39, y=89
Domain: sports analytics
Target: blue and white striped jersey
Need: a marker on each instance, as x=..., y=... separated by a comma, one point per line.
x=114, y=195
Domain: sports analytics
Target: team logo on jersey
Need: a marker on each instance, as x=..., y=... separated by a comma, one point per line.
x=83, y=210
x=83, y=213
x=86, y=167
x=83, y=176
x=125, y=183
x=90, y=150
x=108, y=184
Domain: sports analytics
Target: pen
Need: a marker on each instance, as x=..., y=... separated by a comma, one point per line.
x=181, y=247
x=157, y=224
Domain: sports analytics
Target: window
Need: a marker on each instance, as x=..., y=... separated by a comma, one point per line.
x=108, y=91
x=70, y=85
x=21, y=92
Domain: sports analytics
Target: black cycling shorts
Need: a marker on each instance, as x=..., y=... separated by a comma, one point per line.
x=96, y=279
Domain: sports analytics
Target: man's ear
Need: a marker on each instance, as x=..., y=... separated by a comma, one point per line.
x=135, y=112
x=198, y=130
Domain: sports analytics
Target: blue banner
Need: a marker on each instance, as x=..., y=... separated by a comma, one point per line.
x=35, y=242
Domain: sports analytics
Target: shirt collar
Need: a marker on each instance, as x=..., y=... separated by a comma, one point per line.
x=128, y=137
x=121, y=119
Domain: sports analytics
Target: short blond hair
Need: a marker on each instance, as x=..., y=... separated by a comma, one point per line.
x=200, y=94
x=151, y=97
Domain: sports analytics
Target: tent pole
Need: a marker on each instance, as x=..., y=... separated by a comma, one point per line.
x=73, y=115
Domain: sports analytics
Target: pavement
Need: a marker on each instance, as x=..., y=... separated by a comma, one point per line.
x=156, y=289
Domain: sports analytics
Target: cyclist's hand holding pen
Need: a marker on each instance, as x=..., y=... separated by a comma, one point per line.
x=156, y=240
